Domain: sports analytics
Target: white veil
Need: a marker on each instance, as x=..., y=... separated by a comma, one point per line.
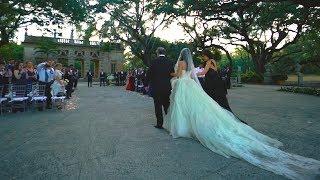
x=186, y=56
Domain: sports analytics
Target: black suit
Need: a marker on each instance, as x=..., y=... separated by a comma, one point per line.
x=90, y=77
x=159, y=77
x=102, y=79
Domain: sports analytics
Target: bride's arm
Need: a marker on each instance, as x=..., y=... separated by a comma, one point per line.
x=206, y=69
x=178, y=73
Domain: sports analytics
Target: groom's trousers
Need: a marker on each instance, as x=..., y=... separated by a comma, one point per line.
x=161, y=101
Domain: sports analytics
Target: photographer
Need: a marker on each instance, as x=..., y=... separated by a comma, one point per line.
x=46, y=77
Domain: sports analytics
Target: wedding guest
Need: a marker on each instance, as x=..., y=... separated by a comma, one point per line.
x=214, y=86
x=130, y=82
x=19, y=74
x=70, y=84
x=76, y=77
x=89, y=78
x=117, y=76
x=10, y=65
x=2, y=78
x=31, y=75
x=46, y=77
x=102, y=77
x=58, y=86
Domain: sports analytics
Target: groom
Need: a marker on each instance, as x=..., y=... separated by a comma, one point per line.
x=158, y=76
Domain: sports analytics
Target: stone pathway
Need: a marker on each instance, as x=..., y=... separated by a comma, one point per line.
x=107, y=133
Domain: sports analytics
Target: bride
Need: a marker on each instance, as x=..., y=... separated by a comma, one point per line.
x=192, y=113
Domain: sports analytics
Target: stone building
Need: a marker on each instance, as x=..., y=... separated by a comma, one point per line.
x=83, y=56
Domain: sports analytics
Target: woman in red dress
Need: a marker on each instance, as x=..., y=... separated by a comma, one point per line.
x=130, y=82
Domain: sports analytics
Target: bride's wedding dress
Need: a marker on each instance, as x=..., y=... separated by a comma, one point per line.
x=192, y=113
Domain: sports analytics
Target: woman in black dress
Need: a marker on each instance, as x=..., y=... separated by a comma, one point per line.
x=214, y=85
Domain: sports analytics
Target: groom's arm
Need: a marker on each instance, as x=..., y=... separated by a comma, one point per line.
x=148, y=76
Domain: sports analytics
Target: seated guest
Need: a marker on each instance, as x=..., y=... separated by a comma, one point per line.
x=19, y=74
x=46, y=77
x=58, y=86
x=31, y=76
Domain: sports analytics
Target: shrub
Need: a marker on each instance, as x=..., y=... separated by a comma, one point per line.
x=301, y=90
x=251, y=77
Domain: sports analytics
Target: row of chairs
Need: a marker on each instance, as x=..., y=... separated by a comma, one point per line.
x=20, y=96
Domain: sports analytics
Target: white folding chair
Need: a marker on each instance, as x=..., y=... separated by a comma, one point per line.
x=38, y=97
x=58, y=101
x=19, y=97
x=2, y=100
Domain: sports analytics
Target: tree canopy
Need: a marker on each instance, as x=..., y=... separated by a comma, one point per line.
x=133, y=23
x=262, y=28
x=17, y=13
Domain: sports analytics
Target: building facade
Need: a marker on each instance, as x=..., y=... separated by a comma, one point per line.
x=83, y=56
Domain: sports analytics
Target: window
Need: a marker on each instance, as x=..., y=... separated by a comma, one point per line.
x=113, y=68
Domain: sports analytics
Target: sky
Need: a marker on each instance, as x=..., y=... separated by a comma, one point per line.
x=171, y=34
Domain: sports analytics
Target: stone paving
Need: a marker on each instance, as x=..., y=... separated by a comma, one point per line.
x=107, y=133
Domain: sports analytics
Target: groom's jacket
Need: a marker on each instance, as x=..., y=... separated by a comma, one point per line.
x=158, y=75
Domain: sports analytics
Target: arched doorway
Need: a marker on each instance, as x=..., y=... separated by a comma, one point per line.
x=79, y=64
x=95, y=67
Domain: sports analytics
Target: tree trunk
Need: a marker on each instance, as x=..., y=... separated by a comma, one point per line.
x=258, y=63
x=146, y=58
x=4, y=37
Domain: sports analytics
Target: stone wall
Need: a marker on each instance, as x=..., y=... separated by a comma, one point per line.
x=88, y=55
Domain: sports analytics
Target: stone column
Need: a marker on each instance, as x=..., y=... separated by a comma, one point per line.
x=299, y=74
x=239, y=75
x=86, y=65
x=267, y=75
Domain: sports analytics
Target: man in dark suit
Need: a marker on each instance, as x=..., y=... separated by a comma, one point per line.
x=102, y=76
x=158, y=77
x=90, y=77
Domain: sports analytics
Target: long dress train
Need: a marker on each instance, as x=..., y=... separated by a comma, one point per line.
x=192, y=113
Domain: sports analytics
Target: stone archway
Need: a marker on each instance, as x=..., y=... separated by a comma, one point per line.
x=95, y=67
x=79, y=64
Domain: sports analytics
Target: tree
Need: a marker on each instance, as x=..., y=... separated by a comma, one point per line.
x=262, y=29
x=305, y=52
x=11, y=51
x=17, y=13
x=47, y=47
x=132, y=23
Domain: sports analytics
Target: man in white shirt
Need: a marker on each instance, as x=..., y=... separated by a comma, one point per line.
x=46, y=77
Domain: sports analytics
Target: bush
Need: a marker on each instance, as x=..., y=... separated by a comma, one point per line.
x=251, y=77
x=304, y=90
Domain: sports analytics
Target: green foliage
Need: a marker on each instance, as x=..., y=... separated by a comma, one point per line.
x=47, y=46
x=133, y=62
x=240, y=58
x=134, y=23
x=15, y=13
x=301, y=90
x=251, y=77
x=261, y=29
x=11, y=51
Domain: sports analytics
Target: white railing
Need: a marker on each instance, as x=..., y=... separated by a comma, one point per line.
x=76, y=41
